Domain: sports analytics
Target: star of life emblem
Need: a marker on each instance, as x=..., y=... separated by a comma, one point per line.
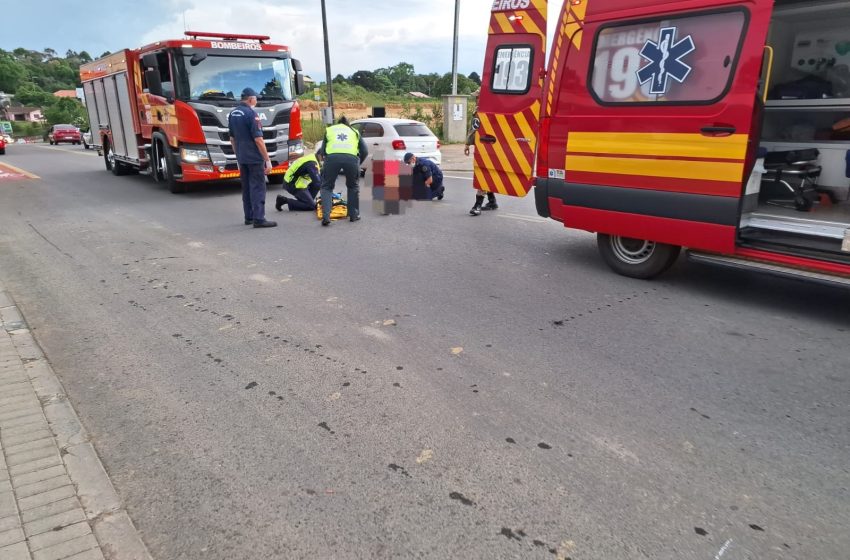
x=342, y=137
x=665, y=61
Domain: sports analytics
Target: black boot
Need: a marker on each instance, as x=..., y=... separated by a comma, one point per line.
x=491, y=202
x=476, y=210
x=279, y=202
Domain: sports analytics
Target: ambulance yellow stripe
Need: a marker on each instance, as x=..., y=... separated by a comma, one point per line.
x=501, y=156
x=541, y=6
x=504, y=23
x=673, y=168
x=513, y=145
x=528, y=23
x=527, y=132
x=481, y=180
x=659, y=144
x=488, y=163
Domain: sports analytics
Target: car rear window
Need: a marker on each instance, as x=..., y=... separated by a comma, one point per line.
x=65, y=127
x=412, y=129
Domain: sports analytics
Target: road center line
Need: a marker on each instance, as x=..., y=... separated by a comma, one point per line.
x=522, y=218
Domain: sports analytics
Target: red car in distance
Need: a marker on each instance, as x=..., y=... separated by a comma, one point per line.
x=2, y=145
x=63, y=133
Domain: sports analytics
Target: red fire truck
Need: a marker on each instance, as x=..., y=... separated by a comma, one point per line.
x=718, y=126
x=162, y=109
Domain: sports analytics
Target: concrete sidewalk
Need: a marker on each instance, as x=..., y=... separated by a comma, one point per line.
x=56, y=500
x=454, y=160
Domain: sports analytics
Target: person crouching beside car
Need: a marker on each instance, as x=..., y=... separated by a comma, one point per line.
x=302, y=180
x=430, y=172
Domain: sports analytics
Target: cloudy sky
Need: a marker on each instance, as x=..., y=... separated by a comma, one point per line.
x=364, y=34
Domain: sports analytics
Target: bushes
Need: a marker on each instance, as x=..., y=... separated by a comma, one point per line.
x=22, y=129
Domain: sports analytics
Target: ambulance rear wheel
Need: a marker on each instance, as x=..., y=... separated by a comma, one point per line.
x=636, y=258
x=276, y=179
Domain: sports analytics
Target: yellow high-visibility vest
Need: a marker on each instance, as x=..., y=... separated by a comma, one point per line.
x=304, y=181
x=341, y=139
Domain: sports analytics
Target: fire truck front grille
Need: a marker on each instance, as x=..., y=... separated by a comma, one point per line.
x=208, y=119
x=281, y=118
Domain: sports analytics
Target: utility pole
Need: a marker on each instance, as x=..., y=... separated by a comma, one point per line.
x=328, y=61
x=454, y=49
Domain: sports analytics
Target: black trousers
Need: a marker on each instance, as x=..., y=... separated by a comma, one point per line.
x=305, y=199
x=349, y=165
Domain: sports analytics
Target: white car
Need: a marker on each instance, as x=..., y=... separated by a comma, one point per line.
x=87, y=139
x=396, y=137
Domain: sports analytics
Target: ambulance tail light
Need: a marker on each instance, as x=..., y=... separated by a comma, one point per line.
x=543, y=147
x=399, y=145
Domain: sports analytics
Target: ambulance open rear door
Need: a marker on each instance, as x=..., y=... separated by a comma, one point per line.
x=510, y=100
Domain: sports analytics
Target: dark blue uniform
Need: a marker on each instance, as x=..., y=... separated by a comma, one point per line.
x=244, y=125
x=427, y=168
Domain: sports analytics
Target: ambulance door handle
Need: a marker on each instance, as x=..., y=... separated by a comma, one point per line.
x=487, y=138
x=718, y=130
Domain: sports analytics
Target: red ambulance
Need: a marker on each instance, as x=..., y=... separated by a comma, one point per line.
x=717, y=126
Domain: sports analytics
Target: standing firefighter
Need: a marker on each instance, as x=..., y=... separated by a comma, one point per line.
x=344, y=151
x=246, y=137
x=302, y=180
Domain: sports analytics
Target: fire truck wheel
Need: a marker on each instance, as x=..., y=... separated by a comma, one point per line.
x=116, y=167
x=636, y=258
x=163, y=164
x=276, y=179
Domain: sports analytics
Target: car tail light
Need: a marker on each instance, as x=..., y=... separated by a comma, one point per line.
x=399, y=145
x=438, y=144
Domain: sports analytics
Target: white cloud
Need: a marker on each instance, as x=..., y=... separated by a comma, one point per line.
x=366, y=37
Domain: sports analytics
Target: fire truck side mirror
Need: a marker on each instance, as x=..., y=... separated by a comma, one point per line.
x=300, y=87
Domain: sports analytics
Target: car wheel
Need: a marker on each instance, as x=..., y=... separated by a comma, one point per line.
x=51, y=142
x=2, y=151
x=636, y=258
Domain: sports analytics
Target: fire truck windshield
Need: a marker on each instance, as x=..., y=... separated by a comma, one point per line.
x=220, y=79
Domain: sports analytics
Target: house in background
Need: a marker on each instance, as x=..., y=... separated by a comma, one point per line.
x=24, y=114
x=71, y=93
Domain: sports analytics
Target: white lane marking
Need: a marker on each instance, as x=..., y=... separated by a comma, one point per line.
x=456, y=177
x=522, y=217
x=260, y=278
x=723, y=550
x=86, y=153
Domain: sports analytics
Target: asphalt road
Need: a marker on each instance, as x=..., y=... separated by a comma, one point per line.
x=428, y=385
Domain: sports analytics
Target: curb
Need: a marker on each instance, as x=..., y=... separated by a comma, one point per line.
x=117, y=536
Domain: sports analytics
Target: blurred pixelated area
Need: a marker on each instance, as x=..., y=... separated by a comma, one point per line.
x=394, y=185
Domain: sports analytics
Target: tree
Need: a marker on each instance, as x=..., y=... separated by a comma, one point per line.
x=105, y=53
x=85, y=57
x=12, y=72
x=29, y=93
x=475, y=78
x=339, y=79
x=67, y=111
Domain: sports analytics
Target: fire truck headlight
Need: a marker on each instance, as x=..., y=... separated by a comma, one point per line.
x=195, y=154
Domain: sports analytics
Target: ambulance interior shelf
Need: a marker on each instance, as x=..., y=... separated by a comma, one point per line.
x=808, y=98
